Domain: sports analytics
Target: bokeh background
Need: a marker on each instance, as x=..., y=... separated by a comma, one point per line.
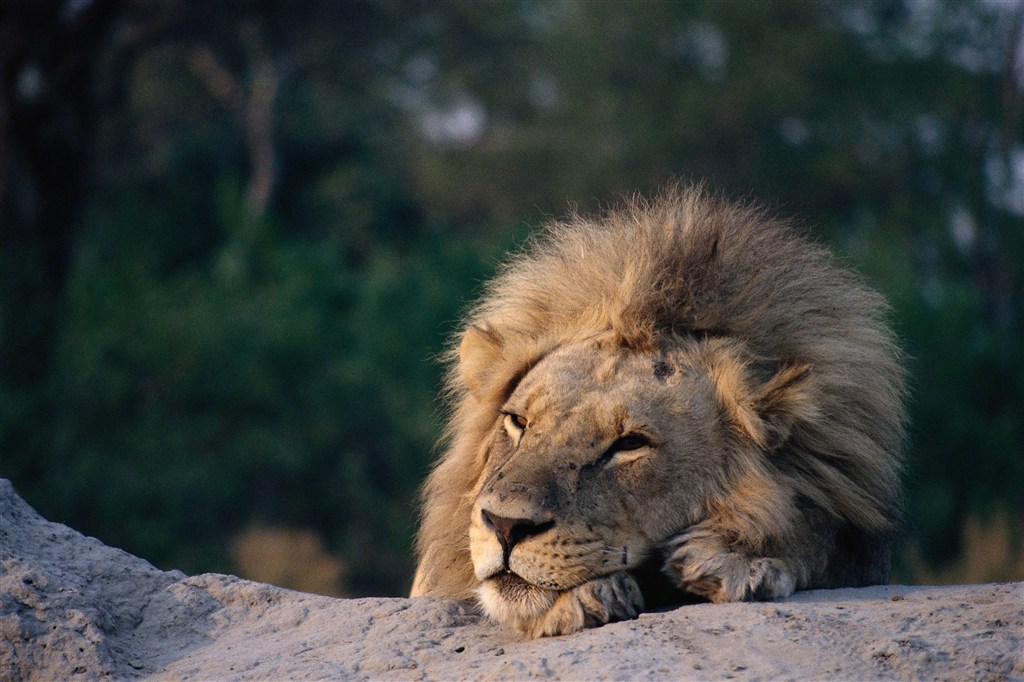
x=236, y=236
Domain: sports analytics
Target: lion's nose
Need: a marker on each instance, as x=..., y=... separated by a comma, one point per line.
x=511, y=532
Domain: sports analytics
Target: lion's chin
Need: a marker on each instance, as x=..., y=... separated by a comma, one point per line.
x=508, y=599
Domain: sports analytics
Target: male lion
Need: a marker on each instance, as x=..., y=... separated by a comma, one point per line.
x=684, y=384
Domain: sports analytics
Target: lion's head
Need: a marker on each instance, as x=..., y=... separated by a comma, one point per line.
x=686, y=382
x=601, y=452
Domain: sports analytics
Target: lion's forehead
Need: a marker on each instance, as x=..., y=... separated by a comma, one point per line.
x=585, y=384
x=587, y=362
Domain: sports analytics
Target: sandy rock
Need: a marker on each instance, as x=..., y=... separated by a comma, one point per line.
x=73, y=608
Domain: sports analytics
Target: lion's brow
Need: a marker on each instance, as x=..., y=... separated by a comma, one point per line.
x=516, y=379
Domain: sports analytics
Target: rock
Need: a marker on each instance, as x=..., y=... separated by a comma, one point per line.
x=71, y=607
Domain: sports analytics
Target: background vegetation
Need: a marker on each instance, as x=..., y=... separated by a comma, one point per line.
x=236, y=234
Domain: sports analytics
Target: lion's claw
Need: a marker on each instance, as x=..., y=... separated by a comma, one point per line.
x=703, y=564
x=603, y=600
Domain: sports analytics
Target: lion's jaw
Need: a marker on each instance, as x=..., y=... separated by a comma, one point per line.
x=540, y=568
x=608, y=436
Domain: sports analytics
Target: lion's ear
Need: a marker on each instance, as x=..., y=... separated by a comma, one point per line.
x=784, y=399
x=479, y=356
x=763, y=399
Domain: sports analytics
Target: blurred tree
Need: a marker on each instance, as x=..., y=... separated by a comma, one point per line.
x=49, y=111
x=234, y=234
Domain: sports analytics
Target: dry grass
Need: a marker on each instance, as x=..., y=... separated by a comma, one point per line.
x=288, y=557
x=993, y=551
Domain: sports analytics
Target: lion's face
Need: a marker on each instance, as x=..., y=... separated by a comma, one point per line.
x=597, y=455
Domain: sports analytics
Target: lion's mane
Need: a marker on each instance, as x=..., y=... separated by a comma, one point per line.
x=684, y=265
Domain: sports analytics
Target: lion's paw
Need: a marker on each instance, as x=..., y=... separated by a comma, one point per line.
x=703, y=564
x=603, y=600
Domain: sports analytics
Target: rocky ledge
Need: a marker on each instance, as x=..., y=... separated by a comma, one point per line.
x=73, y=608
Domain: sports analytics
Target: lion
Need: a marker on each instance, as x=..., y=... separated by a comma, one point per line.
x=681, y=399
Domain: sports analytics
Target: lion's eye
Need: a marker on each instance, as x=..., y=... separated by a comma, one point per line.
x=633, y=441
x=516, y=421
x=628, y=448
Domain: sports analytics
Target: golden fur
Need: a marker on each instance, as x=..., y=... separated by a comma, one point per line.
x=686, y=383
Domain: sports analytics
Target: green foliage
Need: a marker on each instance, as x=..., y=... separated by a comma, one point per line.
x=237, y=341
x=272, y=381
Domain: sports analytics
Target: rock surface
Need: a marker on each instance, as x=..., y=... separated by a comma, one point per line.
x=73, y=608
